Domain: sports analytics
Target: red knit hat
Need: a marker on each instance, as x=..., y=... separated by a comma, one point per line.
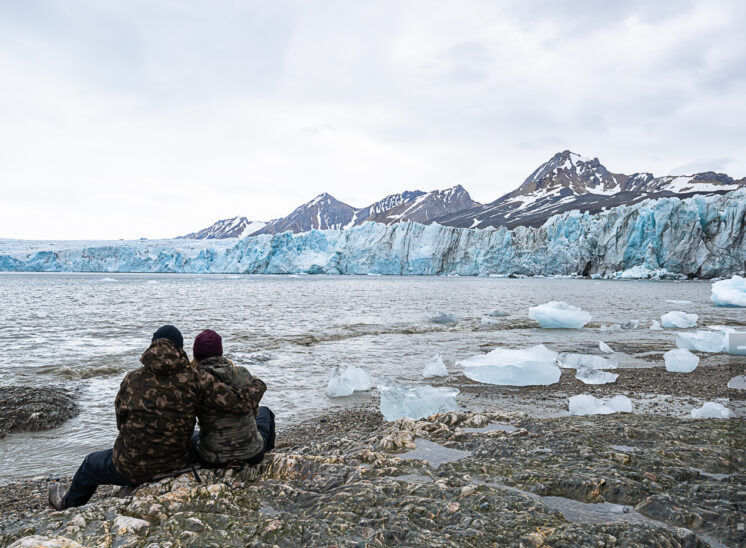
x=207, y=344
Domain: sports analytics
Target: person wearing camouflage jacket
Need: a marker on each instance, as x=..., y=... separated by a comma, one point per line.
x=156, y=410
x=225, y=438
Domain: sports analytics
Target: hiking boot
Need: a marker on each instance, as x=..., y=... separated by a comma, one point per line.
x=57, y=496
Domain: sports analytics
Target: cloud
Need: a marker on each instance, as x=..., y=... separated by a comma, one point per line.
x=157, y=118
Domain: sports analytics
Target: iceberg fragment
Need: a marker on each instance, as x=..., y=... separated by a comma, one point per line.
x=655, y=325
x=489, y=322
x=738, y=382
x=711, y=410
x=611, y=327
x=558, y=315
x=589, y=375
x=680, y=360
x=703, y=341
x=630, y=324
x=400, y=400
x=729, y=292
x=435, y=368
x=571, y=360
x=344, y=383
x=535, y=365
x=444, y=317
x=679, y=319
x=585, y=404
x=497, y=313
x=605, y=347
x=682, y=303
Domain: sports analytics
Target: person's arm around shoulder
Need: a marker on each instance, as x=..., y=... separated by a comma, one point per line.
x=221, y=396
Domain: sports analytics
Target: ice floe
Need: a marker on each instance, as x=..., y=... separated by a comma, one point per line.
x=738, y=382
x=535, y=365
x=400, y=400
x=680, y=360
x=630, y=324
x=444, y=317
x=585, y=404
x=682, y=303
x=344, y=383
x=711, y=410
x=589, y=375
x=435, y=368
x=729, y=292
x=679, y=319
x=497, y=313
x=604, y=347
x=557, y=314
x=703, y=341
x=655, y=325
x=572, y=360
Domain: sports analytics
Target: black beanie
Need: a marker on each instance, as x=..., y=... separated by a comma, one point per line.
x=171, y=333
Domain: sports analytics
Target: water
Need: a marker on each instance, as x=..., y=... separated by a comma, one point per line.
x=85, y=331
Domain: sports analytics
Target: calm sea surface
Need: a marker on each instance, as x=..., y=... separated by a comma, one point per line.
x=85, y=331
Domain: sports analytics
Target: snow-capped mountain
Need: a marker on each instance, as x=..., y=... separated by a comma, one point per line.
x=569, y=181
x=236, y=227
x=322, y=213
x=389, y=202
x=427, y=207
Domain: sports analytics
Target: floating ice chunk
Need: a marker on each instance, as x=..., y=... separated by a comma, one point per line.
x=735, y=343
x=108, y=280
x=595, y=376
x=630, y=324
x=514, y=367
x=344, y=383
x=576, y=361
x=655, y=325
x=738, y=382
x=488, y=322
x=585, y=404
x=604, y=347
x=674, y=301
x=556, y=314
x=611, y=327
x=444, y=317
x=704, y=341
x=680, y=360
x=711, y=410
x=679, y=319
x=497, y=313
x=435, y=368
x=729, y=292
x=399, y=400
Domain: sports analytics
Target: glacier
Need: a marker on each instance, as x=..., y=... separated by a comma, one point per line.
x=701, y=236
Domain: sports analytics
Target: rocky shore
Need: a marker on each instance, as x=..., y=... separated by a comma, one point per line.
x=28, y=409
x=481, y=477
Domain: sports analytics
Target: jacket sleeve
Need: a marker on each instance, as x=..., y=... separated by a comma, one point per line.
x=119, y=406
x=221, y=396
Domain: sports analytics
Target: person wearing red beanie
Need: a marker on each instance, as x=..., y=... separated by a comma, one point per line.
x=225, y=438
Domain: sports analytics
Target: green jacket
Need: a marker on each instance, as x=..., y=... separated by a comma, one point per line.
x=226, y=437
x=157, y=406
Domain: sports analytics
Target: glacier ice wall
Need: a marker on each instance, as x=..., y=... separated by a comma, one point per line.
x=701, y=236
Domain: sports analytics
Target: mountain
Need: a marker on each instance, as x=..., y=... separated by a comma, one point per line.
x=322, y=213
x=569, y=181
x=426, y=207
x=701, y=236
x=389, y=202
x=235, y=227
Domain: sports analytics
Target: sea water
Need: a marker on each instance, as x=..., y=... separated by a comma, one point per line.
x=84, y=331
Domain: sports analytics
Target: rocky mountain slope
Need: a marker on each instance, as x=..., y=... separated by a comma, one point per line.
x=569, y=181
x=427, y=207
x=322, y=213
x=235, y=227
x=380, y=207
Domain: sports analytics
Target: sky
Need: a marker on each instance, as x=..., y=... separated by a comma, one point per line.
x=155, y=118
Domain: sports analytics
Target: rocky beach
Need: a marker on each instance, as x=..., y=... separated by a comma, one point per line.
x=510, y=469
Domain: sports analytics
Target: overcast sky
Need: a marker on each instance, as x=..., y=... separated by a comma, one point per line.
x=158, y=117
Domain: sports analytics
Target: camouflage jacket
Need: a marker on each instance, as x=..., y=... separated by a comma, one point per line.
x=156, y=409
x=225, y=437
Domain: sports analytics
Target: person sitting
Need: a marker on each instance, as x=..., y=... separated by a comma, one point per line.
x=228, y=438
x=156, y=409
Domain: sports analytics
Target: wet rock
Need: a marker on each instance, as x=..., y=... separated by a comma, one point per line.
x=29, y=409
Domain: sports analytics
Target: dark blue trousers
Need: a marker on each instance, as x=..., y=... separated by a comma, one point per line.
x=97, y=469
x=265, y=423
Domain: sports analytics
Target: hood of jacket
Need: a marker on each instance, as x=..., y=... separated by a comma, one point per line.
x=164, y=358
x=220, y=366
